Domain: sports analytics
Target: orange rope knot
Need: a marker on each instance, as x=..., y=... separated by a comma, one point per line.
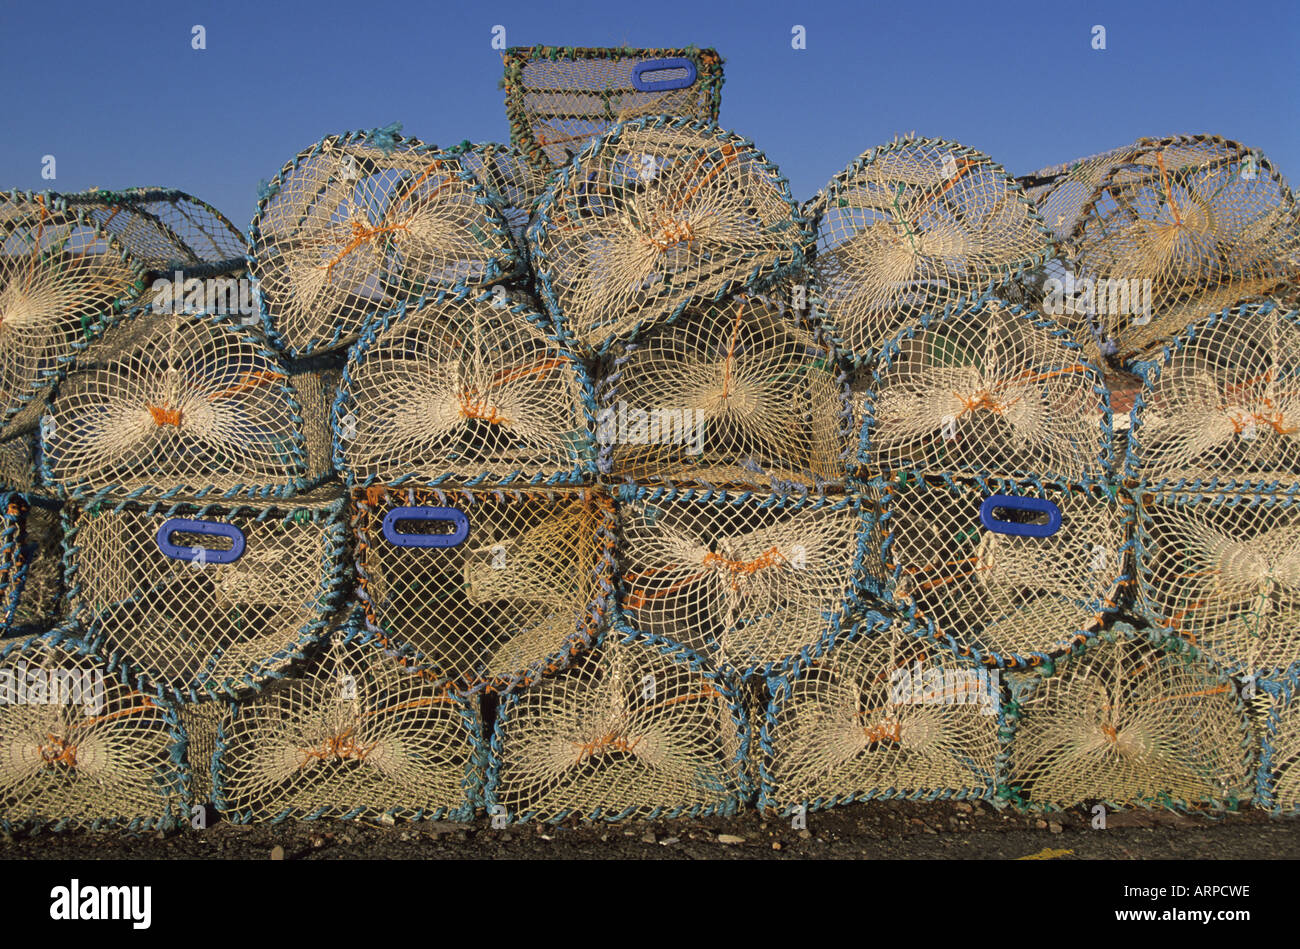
x=769, y=558
x=981, y=400
x=165, y=416
x=341, y=747
x=362, y=233
x=474, y=405
x=1111, y=733
x=59, y=751
x=673, y=233
x=610, y=742
x=1249, y=420
x=884, y=732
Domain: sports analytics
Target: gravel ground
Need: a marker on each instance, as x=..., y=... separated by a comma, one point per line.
x=877, y=830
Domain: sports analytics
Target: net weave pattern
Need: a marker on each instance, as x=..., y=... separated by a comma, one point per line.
x=637, y=728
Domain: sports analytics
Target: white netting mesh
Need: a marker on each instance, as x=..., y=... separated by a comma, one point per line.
x=1130, y=723
x=522, y=590
x=745, y=581
x=1282, y=747
x=163, y=228
x=169, y=597
x=195, y=403
x=77, y=747
x=356, y=735
x=987, y=390
x=508, y=177
x=628, y=731
x=1206, y=221
x=200, y=721
x=31, y=564
x=911, y=227
x=60, y=275
x=1006, y=597
x=354, y=226
x=1223, y=403
x=467, y=389
x=654, y=215
x=559, y=98
x=735, y=392
x=1224, y=572
x=882, y=715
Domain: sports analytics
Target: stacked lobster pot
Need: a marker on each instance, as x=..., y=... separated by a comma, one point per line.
x=165, y=424
x=1155, y=235
x=1213, y=475
x=986, y=437
x=671, y=252
x=461, y=427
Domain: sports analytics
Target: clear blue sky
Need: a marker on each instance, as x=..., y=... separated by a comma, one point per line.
x=116, y=93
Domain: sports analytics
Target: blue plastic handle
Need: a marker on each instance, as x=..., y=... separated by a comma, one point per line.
x=449, y=515
x=662, y=85
x=1013, y=503
x=201, y=554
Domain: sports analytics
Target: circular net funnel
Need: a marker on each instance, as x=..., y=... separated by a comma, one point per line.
x=31, y=564
x=1007, y=573
x=355, y=735
x=165, y=229
x=78, y=748
x=190, y=403
x=911, y=227
x=471, y=390
x=634, y=729
x=1129, y=723
x=880, y=715
x=1223, y=571
x=1190, y=224
x=488, y=588
x=355, y=225
x=1221, y=404
x=191, y=600
x=987, y=390
x=509, y=180
x=733, y=392
x=61, y=274
x=654, y=215
x=1279, y=772
x=559, y=98
x=747, y=581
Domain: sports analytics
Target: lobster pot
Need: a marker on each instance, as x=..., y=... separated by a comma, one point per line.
x=559, y=98
x=200, y=721
x=189, y=599
x=359, y=222
x=1128, y=720
x=987, y=390
x=508, y=178
x=356, y=734
x=79, y=749
x=31, y=564
x=654, y=215
x=487, y=589
x=750, y=582
x=882, y=714
x=60, y=274
x=1007, y=573
x=1279, y=771
x=636, y=728
x=165, y=229
x=1169, y=230
x=1223, y=571
x=912, y=227
x=189, y=404
x=467, y=389
x=1220, y=406
x=733, y=392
